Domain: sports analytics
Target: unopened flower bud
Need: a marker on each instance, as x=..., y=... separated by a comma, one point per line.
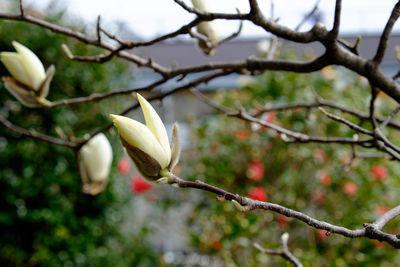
x=207, y=28
x=95, y=158
x=148, y=145
x=29, y=82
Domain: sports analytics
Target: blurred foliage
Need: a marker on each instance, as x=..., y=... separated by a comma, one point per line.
x=45, y=220
x=316, y=179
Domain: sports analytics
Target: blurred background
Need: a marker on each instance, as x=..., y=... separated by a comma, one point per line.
x=45, y=220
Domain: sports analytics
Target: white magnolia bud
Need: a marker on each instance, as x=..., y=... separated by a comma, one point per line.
x=263, y=48
x=207, y=28
x=95, y=158
x=147, y=145
x=29, y=80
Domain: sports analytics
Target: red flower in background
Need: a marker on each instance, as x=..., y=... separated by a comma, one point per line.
x=319, y=154
x=258, y=193
x=140, y=185
x=381, y=210
x=215, y=146
x=377, y=243
x=255, y=171
x=350, y=188
x=242, y=134
x=282, y=221
x=217, y=245
x=325, y=178
x=269, y=116
x=124, y=166
x=379, y=172
x=318, y=196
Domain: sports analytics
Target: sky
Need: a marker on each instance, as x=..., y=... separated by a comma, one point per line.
x=150, y=18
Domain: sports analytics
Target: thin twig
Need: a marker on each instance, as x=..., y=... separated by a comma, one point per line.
x=21, y=8
x=308, y=16
x=36, y=135
x=284, y=252
x=353, y=126
x=323, y=103
x=336, y=22
x=297, y=136
x=380, y=52
x=352, y=47
x=98, y=29
x=389, y=118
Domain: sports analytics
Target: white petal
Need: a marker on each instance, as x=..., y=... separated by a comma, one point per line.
x=32, y=64
x=138, y=135
x=155, y=125
x=209, y=29
x=97, y=157
x=175, y=147
x=12, y=61
x=202, y=5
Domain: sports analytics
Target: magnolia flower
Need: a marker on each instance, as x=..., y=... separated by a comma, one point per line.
x=29, y=82
x=207, y=28
x=95, y=159
x=148, y=145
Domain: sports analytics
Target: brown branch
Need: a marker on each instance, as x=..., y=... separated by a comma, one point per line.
x=98, y=29
x=233, y=35
x=389, y=118
x=352, y=47
x=380, y=53
x=396, y=76
x=301, y=137
x=323, y=103
x=256, y=64
x=387, y=217
x=351, y=125
x=94, y=59
x=36, y=135
x=256, y=16
x=21, y=8
x=371, y=231
x=99, y=97
x=160, y=96
x=285, y=133
x=82, y=38
x=336, y=22
x=284, y=252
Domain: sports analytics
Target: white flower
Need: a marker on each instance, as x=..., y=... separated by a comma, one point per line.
x=95, y=158
x=29, y=82
x=263, y=48
x=148, y=145
x=207, y=28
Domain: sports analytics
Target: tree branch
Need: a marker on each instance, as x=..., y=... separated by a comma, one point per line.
x=36, y=135
x=386, y=33
x=284, y=252
x=336, y=22
x=246, y=204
